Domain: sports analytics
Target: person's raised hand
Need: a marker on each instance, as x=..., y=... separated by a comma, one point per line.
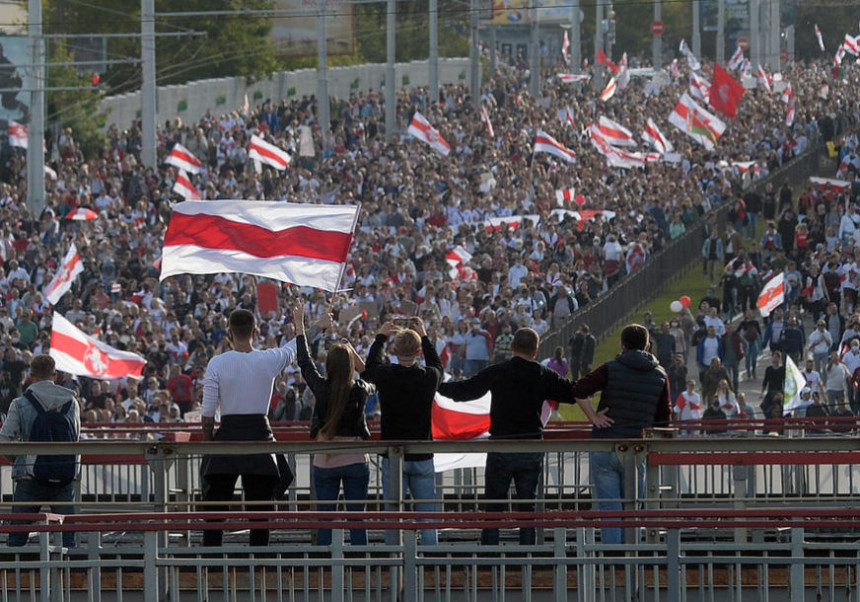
x=418, y=326
x=388, y=328
x=298, y=311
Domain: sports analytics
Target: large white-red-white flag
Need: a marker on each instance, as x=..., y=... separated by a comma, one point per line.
x=485, y=117
x=303, y=244
x=655, y=138
x=457, y=421
x=698, y=123
x=185, y=188
x=614, y=133
x=544, y=143
x=66, y=274
x=184, y=159
x=423, y=131
x=262, y=152
x=772, y=295
x=77, y=353
x=572, y=78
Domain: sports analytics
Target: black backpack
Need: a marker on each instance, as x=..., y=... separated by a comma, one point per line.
x=54, y=425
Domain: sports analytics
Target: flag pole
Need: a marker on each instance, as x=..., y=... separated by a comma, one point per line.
x=343, y=263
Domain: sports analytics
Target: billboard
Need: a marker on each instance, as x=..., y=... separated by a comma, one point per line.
x=516, y=12
x=294, y=30
x=14, y=58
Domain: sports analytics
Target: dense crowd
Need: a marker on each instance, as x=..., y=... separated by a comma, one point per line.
x=416, y=207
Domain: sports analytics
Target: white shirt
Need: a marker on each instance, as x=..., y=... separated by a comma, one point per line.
x=241, y=383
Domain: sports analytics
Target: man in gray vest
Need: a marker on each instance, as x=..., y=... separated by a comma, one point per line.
x=635, y=396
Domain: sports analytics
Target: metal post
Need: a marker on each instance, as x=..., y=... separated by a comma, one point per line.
x=775, y=30
x=697, y=28
x=493, y=52
x=148, y=92
x=721, y=33
x=534, y=50
x=657, y=42
x=390, y=85
x=475, y=55
x=598, y=43
x=36, y=127
x=323, y=108
x=755, y=43
x=575, y=38
x=433, y=80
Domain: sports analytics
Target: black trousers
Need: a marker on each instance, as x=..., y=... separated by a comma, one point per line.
x=220, y=488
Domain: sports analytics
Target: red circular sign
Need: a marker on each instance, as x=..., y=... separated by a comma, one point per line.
x=657, y=27
x=744, y=43
x=783, y=55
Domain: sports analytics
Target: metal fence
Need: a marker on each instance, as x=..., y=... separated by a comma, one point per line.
x=662, y=268
x=758, y=518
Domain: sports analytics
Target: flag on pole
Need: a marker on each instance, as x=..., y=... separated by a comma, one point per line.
x=692, y=61
x=544, y=143
x=79, y=354
x=615, y=133
x=184, y=188
x=572, y=78
x=566, y=115
x=624, y=74
x=485, y=117
x=737, y=60
x=303, y=244
x=851, y=44
x=794, y=384
x=602, y=59
x=700, y=125
x=182, y=158
x=49, y=171
x=565, y=194
x=655, y=138
x=609, y=91
x=246, y=106
x=17, y=134
x=725, y=92
x=423, y=131
x=764, y=79
x=615, y=157
x=818, y=36
x=788, y=99
x=62, y=280
x=699, y=87
x=772, y=295
x=565, y=48
x=81, y=214
x=840, y=54
x=263, y=152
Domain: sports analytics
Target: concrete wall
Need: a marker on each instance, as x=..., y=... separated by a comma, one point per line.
x=190, y=101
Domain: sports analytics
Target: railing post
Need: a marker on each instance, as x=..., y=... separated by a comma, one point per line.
x=740, y=476
x=158, y=462
x=797, y=566
x=586, y=572
x=151, y=588
x=673, y=565
x=410, y=566
x=629, y=459
x=559, y=581
x=337, y=568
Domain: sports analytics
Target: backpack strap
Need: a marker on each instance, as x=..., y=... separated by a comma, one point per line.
x=34, y=401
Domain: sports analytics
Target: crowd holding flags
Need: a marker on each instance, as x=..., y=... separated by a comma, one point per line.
x=699, y=124
x=62, y=281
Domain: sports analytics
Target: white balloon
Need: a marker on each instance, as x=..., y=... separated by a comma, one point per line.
x=676, y=306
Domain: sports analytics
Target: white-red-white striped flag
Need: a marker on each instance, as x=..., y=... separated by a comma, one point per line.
x=423, y=131
x=840, y=54
x=184, y=159
x=699, y=87
x=772, y=295
x=565, y=48
x=81, y=214
x=655, y=137
x=851, y=44
x=692, y=61
x=819, y=38
x=263, y=152
x=79, y=354
x=737, y=60
x=544, y=143
x=485, y=117
x=615, y=133
x=609, y=90
x=513, y=222
x=764, y=78
x=303, y=244
x=572, y=78
x=185, y=188
x=565, y=195
x=17, y=134
x=457, y=421
x=788, y=99
x=66, y=274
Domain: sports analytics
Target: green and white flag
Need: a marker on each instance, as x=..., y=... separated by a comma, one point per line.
x=794, y=383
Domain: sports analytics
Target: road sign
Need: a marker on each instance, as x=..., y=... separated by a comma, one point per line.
x=744, y=43
x=657, y=27
x=783, y=55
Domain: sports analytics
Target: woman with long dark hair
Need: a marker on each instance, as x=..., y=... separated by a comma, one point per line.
x=338, y=416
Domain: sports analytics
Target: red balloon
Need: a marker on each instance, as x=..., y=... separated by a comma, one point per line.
x=685, y=301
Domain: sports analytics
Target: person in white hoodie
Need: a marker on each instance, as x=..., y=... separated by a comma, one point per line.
x=18, y=427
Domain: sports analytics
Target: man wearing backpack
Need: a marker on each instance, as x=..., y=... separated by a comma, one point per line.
x=46, y=412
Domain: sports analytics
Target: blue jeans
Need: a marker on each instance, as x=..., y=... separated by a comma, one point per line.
x=525, y=470
x=419, y=479
x=327, y=482
x=607, y=472
x=40, y=493
x=752, y=225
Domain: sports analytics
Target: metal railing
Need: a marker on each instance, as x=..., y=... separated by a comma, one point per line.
x=720, y=518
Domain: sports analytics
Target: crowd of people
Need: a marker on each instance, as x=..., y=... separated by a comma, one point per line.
x=416, y=207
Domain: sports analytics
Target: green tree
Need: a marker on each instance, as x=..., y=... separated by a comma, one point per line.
x=230, y=45
x=78, y=107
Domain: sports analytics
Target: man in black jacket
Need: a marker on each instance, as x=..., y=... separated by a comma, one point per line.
x=582, y=346
x=635, y=396
x=406, y=392
x=518, y=387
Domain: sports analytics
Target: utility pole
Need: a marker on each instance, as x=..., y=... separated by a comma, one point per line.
x=775, y=30
x=575, y=38
x=36, y=127
x=323, y=107
x=598, y=44
x=721, y=33
x=534, y=50
x=697, y=28
x=657, y=42
x=148, y=93
x=390, y=86
x=433, y=80
x=755, y=33
x=475, y=55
